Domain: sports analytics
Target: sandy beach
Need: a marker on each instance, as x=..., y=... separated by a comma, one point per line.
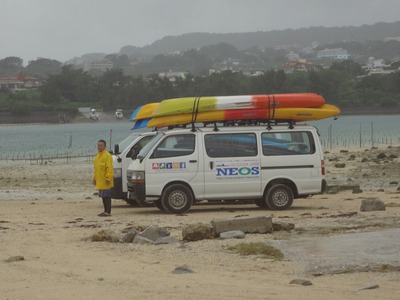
x=48, y=212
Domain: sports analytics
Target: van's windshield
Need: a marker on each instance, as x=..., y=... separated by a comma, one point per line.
x=146, y=149
x=127, y=141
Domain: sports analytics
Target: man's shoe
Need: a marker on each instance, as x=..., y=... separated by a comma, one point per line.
x=105, y=214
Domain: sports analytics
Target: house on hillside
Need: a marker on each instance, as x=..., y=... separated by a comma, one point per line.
x=172, y=76
x=300, y=65
x=378, y=66
x=253, y=73
x=375, y=63
x=19, y=82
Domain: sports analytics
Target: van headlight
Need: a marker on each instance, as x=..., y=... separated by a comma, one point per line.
x=117, y=172
x=137, y=177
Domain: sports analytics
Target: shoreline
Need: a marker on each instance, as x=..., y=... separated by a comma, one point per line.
x=106, y=117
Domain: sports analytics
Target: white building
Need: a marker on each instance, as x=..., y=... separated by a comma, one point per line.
x=172, y=76
x=293, y=56
x=389, y=39
x=373, y=63
x=102, y=65
x=335, y=54
x=377, y=66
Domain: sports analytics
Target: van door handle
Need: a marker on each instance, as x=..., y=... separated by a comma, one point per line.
x=211, y=165
x=193, y=161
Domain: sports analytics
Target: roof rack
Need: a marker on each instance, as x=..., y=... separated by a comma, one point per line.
x=247, y=122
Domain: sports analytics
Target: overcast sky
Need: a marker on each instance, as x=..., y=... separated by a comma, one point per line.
x=63, y=29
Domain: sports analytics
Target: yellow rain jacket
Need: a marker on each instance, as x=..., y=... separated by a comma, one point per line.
x=103, y=170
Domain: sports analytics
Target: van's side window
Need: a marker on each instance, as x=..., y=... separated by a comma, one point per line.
x=287, y=143
x=231, y=144
x=175, y=145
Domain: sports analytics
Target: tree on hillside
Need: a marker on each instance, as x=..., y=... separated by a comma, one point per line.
x=326, y=82
x=43, y=67
x=219, y=52
x=112, y=91
x=10, y=66
x=185, y=87
x=160, y=88
x=348, y=67
x=226, y=83
x=195, y=62
x=379, y=90
x=298, y=82
x=11, y=62
x=70, y=85
x=271, y=82
x=119, y=61
x=138, y=93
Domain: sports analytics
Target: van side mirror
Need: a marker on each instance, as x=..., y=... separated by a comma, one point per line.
x=116, y=149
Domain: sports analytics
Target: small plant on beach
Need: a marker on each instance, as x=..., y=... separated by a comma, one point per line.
x=257, y=249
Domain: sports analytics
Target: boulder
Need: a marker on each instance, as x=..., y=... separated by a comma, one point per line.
x=129, y=236
x=154, y=232
x=235, y=234
x=372, y=205
x=197, y=232
x=260, y=224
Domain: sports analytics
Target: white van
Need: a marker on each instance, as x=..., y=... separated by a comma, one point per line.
x=122, y=158
x=270, y=165
x=118, y=114
x=94, y=115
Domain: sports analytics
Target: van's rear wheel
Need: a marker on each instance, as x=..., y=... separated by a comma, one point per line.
x=177, y=199
x=279, y=197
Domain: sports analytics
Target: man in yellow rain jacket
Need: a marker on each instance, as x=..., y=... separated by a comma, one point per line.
x=103, y=177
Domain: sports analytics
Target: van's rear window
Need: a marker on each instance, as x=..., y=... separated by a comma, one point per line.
x=287, y=143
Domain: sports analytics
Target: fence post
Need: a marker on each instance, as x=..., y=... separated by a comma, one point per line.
x=110, y=138
x=372, y=134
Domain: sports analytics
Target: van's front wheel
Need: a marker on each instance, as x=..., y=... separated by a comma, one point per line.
x=177, y=199
x=279, y=197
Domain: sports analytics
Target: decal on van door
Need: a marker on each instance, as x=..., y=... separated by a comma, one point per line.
x=169, y=166
x=240, y=169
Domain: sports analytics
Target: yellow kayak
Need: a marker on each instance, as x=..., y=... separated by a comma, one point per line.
x=295, y=114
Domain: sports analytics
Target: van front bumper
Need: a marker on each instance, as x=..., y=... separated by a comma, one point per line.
x=137, y=190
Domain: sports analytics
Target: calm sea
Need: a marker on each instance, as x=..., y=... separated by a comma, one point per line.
x=60, y=140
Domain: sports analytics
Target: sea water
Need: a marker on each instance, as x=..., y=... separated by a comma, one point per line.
x=359, y=131
x=58, y=140
x=31, y=141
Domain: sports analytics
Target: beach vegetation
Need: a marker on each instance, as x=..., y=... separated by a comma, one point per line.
x=257, y=248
